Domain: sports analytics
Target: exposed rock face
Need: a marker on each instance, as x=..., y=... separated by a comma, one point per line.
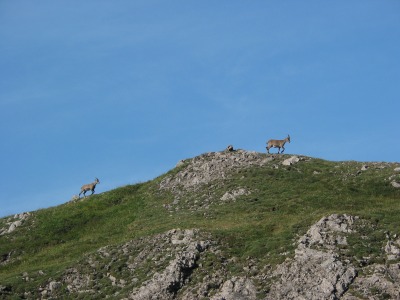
x=380, y=281
x=237, y=288
x=316, y=271
x=166, y=284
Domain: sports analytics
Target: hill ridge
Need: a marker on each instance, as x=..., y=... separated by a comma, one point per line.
x=221, y=225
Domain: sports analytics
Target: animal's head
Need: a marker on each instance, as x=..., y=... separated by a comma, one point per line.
x=96, y=180
x=288, y=138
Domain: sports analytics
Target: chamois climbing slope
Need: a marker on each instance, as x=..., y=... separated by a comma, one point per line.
x=222, y=225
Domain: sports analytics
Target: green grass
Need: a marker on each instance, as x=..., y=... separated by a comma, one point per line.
x=282, y=205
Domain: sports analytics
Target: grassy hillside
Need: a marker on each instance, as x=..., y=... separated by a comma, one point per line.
x=282, y=202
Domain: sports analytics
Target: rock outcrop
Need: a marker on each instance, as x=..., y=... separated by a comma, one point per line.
x=237, y=288
x=380, y=280
x=200, y=175
x=319, y=270
x=166, y=284
x=209, y=167
x=204, y=171
x=316, y=271
x=14, y=222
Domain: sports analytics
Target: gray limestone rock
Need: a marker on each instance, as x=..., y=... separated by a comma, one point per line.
x=316, y=271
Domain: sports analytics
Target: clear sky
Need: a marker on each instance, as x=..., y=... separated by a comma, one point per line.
x=123, y=90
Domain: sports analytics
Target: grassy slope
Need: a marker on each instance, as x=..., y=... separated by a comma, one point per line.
x=284, y=202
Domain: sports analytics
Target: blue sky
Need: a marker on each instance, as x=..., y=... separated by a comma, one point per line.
x=123, y=90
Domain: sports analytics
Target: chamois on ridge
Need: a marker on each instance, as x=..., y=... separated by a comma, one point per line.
x=277, y=144
x=89, y=187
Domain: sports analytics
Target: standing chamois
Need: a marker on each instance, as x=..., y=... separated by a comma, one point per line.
x=89, y=187
x=277, y=144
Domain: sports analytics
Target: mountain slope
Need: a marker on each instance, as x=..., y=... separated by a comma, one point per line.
x=223, y=224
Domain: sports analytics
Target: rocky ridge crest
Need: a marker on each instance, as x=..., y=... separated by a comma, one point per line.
x=209, y=169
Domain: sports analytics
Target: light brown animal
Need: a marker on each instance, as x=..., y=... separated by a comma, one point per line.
x=277, y=144
x=89, y=187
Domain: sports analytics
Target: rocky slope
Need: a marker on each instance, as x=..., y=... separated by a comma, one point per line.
x=329, y=261
x=189, y=264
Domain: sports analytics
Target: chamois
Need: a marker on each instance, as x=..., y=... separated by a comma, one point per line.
x=89, y=187
x=277, y=144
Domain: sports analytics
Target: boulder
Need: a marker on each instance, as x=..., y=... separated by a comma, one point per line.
x=290, y=161
x=395, y=184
